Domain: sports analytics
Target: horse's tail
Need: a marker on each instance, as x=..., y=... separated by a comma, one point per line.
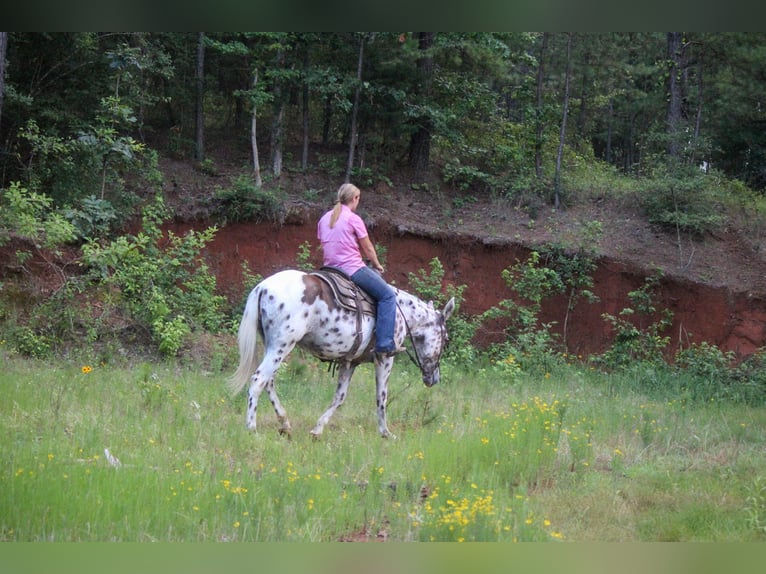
x=247, y=339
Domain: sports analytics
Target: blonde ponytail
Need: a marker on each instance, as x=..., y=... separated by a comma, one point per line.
x=346, y=194
x=335, y=215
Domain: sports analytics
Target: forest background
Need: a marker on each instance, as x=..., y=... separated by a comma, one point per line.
x=672, y=121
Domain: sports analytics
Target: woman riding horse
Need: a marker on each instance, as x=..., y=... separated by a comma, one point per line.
x=344, y=236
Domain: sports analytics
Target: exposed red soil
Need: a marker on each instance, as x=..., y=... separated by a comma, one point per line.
x=715, y=286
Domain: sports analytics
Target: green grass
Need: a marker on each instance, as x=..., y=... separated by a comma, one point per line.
x=573, y=456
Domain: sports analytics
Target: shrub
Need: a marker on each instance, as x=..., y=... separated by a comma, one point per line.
x=748, y=379
x=31, y=215
x=529, y=340
x=245, y=201
x=169, y=291
x=687, y=203
x=633, y=342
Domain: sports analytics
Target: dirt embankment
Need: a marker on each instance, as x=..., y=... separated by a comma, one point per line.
x=730, y=319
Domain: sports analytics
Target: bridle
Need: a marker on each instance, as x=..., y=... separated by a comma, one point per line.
x=416, y=359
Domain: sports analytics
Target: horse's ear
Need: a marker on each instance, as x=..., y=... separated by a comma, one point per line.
x=449, y=308
x=430, y=304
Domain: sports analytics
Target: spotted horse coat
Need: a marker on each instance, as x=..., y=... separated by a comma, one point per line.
x=292, y=308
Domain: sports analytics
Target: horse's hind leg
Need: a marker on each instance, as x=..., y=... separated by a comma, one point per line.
x=285, y=428
x=264, y=379
x=344, y=377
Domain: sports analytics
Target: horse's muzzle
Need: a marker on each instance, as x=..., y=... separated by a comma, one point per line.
x=431, y=379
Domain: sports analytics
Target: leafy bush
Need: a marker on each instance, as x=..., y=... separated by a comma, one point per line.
x=31, y=215
x=96, y=161
x=245, y=201
x=633, y=342
x=705, y=372
x=688, y=203
x=169, y=291
x=30, y=343
x=748, y=379
x=529, y=341
x=94, y=217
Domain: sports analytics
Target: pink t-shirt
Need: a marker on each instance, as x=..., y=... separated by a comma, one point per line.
x=340, y=245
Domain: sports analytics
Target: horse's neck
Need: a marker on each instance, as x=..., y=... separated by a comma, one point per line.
x=414, y=310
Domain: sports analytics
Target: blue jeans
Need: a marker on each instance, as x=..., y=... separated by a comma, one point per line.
x=371, y=281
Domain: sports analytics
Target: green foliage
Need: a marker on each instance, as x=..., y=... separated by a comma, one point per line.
x=748, y=381
x=166, y=289
x=530, y=342
x=29, y=343
x=304, y=257
x=94, y=217
x=634, y=342
x=705, y=362
x=688, y=202
x=57, y=164
x=171, y=333
x=245, y=201
x=707, y=373
x=30, y=215
x=755, y=504
x=95, y=161
x=585, y=178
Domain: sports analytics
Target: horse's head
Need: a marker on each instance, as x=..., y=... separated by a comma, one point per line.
x=429, y=340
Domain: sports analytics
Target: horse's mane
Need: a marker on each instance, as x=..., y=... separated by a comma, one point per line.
x=417, y=302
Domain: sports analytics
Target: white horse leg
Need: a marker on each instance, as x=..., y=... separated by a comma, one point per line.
x=256, y=388
x=285, y=428
x=344, y=378
x=382, y=373
x=263, y=377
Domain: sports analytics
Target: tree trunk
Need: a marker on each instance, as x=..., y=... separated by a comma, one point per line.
x=277, y=125
x=674, y=94
x=200, y=77
x=420, y=142
x=254, y=141
x=354, y=111
x=539, y=114
x=562, y=133
x=277, y=128
x=326, y=120
x=306, y=127
x=698, y=117
x=610, y=119
x=3, y=49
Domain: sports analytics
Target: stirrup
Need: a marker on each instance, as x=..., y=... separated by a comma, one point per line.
x=391, y=353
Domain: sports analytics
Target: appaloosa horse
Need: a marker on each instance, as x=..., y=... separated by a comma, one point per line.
x=293, y=308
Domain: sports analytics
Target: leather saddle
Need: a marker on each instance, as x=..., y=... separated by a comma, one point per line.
x=348, y=296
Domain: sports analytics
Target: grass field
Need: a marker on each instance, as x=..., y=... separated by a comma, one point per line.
x=569, y=455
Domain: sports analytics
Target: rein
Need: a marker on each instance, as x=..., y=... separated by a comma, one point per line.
x=416, y=358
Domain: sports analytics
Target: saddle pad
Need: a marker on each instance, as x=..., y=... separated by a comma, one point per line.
x=346, y=292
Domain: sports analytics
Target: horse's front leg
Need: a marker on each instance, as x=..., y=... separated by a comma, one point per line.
x=344, y=378
x=382, y=373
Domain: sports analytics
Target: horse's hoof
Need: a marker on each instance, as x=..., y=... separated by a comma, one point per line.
x=315, y=435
